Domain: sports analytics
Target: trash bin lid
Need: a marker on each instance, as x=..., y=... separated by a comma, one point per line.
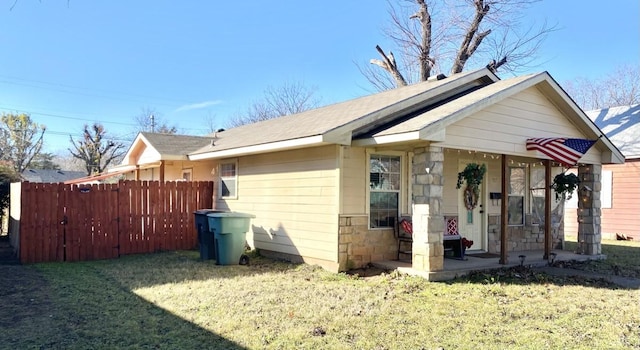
x=230, y=214
x=206, y=211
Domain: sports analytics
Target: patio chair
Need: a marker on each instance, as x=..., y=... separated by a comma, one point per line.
x=404, y=235
x=452, y=240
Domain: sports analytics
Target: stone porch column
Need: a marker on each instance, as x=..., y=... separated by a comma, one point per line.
x=589, y=209
x=428, y=222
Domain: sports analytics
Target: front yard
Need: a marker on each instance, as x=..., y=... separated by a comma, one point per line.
x=176, y=301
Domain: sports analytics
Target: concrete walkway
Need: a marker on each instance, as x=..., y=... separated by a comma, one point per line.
x=456, y=268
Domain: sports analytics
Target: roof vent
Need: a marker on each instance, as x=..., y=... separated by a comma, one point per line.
x=436, y=77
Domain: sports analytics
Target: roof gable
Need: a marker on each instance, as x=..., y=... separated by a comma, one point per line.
x=154, y=147
x=431, y=125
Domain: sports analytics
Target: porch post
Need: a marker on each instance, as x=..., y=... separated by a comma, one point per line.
x=589, y=209
x=161, y=171
x=504, y=220
x=428, y=222
x=547, y=209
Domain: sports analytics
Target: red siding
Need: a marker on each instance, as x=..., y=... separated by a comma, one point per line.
x=624, y=214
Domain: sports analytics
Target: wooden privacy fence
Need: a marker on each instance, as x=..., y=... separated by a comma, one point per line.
x=61, y=222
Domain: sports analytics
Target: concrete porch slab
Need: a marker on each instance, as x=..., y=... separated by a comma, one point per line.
x=455, y=268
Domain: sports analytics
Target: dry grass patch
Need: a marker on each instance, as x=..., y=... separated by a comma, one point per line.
x=176, y=301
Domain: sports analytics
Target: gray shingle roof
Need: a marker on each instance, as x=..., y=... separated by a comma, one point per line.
x=51, y=176
x=355, y=113
x=168, y=144
x=622, y=126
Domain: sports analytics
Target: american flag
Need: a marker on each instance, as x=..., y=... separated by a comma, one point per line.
x=562, y=150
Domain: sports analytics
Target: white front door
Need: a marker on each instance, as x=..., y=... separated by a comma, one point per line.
x=471, y=222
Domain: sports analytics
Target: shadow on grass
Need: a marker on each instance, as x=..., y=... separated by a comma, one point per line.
x=73, y=306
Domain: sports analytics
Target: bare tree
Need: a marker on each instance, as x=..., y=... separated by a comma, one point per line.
x=430, y=34
x=95, y=150
x=150, y=120
x=290, y=98
x=44, y=160
x=210, y=121
x=68, y=162
x=621, y=87
x=20, y=140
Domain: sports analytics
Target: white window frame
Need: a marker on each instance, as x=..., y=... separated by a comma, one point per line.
x=523, y=195
x=606, y=189
x=189, y=173
x=401, y=191
x=233, y=178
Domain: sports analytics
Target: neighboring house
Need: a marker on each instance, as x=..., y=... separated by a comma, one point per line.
x=50, y=175
x=620, y=195
x=328, y=184
x=164, y=157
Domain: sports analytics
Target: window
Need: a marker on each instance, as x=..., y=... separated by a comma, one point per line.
x=516, y=190
x=228, y=180
x=537, y=175
x=384, y=190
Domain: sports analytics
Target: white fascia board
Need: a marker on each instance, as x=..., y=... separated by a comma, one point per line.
x=125, y=168
x=435, y=136
x=264, y=148
x=386, y=139
x=609, y=157
x=337, y=138
x=174, y=157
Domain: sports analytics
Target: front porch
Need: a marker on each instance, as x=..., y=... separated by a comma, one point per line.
x=456, y=268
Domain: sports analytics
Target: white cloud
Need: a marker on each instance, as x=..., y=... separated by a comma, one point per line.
x=198, y=105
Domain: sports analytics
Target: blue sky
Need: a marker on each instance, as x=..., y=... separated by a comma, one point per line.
x=73, y=62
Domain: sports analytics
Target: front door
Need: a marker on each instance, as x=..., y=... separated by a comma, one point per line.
x=471, y=221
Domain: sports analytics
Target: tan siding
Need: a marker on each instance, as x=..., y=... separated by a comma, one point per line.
x=294, y=196
x=148, y=155
x=354, y=181
x=491, y=182
x=503, y=126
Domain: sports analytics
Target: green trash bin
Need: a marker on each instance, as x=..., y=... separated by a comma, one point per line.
x=229, y=231
x=206, y=241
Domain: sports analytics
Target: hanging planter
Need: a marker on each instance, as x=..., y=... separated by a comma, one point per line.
x=472, y=175
x=564, y=185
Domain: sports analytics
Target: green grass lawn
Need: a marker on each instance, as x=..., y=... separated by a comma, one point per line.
x=175, y=301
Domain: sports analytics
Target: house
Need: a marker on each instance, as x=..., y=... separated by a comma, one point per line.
x=327, y=185
x=620, y=196
x=50, y=175
x=164, y=157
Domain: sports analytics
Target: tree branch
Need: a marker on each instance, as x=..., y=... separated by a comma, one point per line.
x=389, y=64
x=466, y=48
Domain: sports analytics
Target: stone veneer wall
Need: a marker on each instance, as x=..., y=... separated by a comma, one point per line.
x=589, y=210
x=358, y=245
x=522, y=238
x=428, y=220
